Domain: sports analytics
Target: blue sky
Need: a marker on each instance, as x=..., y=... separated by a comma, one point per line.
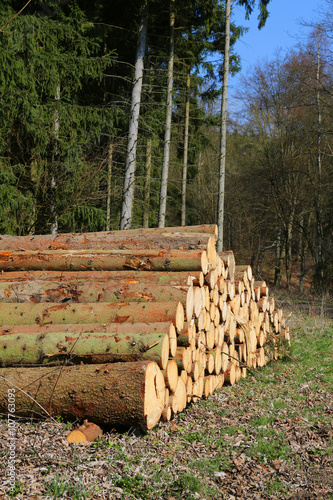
x=282, y=30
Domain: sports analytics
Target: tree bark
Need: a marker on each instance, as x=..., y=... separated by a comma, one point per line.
x=223, y=139
x=42, y=314
x=153, y=238
x=36, y=291
x=186, y=133
x=121, y=278
x=119, y=394
x=128, y=192
x=167, y=136
x=147, y=184
x=35, y=348
x=99, y=260
x=108, y=198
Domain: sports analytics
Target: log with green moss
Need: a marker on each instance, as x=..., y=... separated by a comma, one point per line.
x=28, y=314
x=118, y=394
x=182, y=278
x=58, y=346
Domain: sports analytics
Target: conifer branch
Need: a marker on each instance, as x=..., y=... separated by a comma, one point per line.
x=17, y=14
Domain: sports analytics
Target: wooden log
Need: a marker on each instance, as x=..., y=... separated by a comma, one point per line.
x=189, y=389
x=210, y=336
x=230, y=374
x=244, y=269
x=221, y=332
x=186, y=237
x=166, y=413
x=198, y=301
x=180, y=395
x=98, y=347
x=223, y=306
x=230, y=289
x=219, y=266
x=230, y=331
x=171, y=375
x=184, y=359
x=263, y=304
x=119, y=394
x=37, y=291
x=184, y=376
x=182, y=278
x=205, y=297
x=201, y=340
x=210, y=362
x=25, y=314
x=189, y=303
x=195, y=371
x=220, y=381
x=225, y=356
x=238, y=373
x=208, y=386
x=210, y=279
x=211, y=253
x=82, y=329
x=216, y=354
x=235, y=304
x=214, y=295
x=222, y=287
x=85, y=432
x=99, y=260
x=228, y=259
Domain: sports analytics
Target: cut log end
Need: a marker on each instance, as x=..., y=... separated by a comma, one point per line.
x=86, y=432
x=154, y=395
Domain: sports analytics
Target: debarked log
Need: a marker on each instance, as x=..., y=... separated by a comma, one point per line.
x=168, y=237
x=36, y=348
x=182, y=278
x=99, y=260
x=84, y=291
x=28, y=314
x=118, y=394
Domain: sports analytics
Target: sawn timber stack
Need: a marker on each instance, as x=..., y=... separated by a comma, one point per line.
x=127, y=327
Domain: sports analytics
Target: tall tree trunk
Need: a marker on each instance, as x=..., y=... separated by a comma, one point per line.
x=108, y=199
x=54, y=215
x=288, y=250
x=319, y=228
x=279, y=258
x=304, y=222
x=220, y=216
x=187, y=121
x=199, y=183
x=166, y=154
x=128, y=192
x=147, y=184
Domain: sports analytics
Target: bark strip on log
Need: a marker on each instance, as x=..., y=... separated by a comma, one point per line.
x=37, y=291
x=168, y=237
x=28, y=314
x=172, y=278
x=93, y=348
x=99, y=260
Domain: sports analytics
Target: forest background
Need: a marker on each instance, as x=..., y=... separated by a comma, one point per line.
x=66, y=81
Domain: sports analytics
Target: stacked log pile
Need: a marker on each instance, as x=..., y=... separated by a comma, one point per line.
x=127, y=327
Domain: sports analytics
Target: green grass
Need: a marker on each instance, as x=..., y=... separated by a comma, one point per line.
x=58, y=487
x=276, y=424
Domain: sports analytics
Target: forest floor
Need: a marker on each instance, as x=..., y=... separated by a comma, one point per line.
x=268, y=437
